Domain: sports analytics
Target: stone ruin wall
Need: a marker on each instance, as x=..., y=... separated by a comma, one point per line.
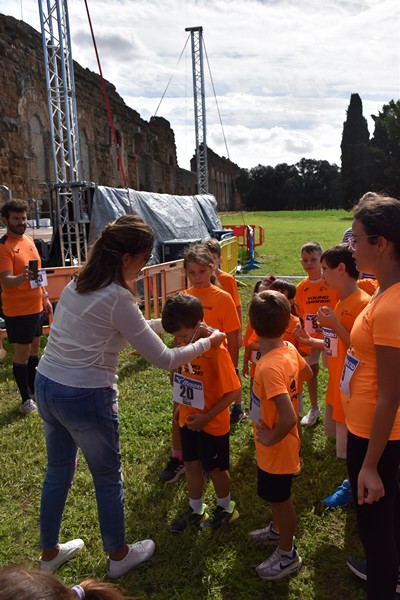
x=148, y=149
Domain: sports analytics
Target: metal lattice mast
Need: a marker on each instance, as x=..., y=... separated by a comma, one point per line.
x=71, y=213
x=199, y=108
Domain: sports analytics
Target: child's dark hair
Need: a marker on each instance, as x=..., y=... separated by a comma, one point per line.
x=311, y=247
x=340, y=254
x=31, y=584
x=284, y=285
x=182, y=311
x=213, y=245
x=269, y=314
x=198, y=253
x=380, y=216
x=268, y=279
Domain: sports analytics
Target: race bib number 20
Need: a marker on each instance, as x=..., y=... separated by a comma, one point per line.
x=188, y=391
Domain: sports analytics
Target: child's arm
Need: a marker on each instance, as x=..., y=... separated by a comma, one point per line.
x=197, y=421
x=303, y=337
x=327, y=318
x=233, y=346
x=286, y=421
x=246, y=358
x=305, y=374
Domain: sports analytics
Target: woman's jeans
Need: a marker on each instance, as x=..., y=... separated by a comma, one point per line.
x=85, y=418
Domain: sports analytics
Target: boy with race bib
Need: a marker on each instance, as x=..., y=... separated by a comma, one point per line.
x=203, y=391
x=274, y=410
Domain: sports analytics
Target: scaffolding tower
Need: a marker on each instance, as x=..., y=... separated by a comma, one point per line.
x=69, y=194
x=196, y=34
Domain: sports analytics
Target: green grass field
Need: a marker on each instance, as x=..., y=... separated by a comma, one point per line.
x=196, y=565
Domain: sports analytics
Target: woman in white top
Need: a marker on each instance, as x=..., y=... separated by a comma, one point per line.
x=76, y=388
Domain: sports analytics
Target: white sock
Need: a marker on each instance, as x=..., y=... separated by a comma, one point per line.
x=196, y=505
x=288, y=553
x=225, y=502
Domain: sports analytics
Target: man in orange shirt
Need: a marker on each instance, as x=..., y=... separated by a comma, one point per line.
x=23, y=299
x=204, y=391
x=274, y=408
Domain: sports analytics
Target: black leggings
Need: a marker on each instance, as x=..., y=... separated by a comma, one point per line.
x=379, y=522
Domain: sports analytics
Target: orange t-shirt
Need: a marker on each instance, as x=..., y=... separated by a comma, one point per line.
x=377, y=325
x=229, y=285
x=346, y=312
x=277, y=373
x=219, y=309
x=15, y=253
x=368, y=285
x=310, y=296
x=216, y=372
x=287, y=337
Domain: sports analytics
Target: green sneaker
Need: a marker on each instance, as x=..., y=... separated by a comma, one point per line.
x=220, y=516
x=190, y=518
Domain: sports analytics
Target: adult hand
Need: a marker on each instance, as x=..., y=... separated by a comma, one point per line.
x=217, y=338
x=370, y=486
x=197, y=421
x=203, y=331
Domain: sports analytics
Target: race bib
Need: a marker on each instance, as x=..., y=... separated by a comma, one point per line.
x=40, y=281
x=255, y=407
x=311, y=324
x=188, y=391
x=350, y=365
x=255, y=356
x=330, y=342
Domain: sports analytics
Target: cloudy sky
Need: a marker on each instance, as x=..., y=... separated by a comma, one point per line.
x=283, y=70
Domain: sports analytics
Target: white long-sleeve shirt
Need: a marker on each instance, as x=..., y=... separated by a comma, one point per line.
x=89, y=331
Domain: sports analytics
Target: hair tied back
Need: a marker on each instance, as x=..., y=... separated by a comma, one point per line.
x=79, y=591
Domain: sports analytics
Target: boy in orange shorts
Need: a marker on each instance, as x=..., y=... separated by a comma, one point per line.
x=274, y=411
x=204, y=391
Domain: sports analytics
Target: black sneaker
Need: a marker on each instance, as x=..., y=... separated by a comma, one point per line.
x=237, y=414
x=359, y=568
x=173, y=471
x=191, y=518
x=220, y=516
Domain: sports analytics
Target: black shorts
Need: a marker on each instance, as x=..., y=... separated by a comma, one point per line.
x=211, y=450
x=23, y=329
x=274, y=488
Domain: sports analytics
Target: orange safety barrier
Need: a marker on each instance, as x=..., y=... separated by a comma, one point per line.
x=242, y=233
x=160, y=281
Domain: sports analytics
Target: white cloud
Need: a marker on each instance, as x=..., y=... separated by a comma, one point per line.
x=283, y=70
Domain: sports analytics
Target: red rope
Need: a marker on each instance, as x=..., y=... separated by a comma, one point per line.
x=103, y=85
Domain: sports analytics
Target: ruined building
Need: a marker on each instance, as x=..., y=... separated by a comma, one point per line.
x=148, y=149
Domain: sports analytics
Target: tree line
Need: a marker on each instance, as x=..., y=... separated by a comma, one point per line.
x=366, y=164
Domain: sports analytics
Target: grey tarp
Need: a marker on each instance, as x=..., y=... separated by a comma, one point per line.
x=171, y=217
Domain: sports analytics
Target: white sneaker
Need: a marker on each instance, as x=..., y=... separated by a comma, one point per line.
x=278, y=565
x=137, y=554
x=265, y=535
x=28, y=407
x=67, y=551
x=311, y=417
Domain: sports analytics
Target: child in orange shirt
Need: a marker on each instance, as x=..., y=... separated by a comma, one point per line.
x=229, y=285
x=311, y=294
x=220, y=313
x=203, y=391
x=274, y=412
x=339, y=272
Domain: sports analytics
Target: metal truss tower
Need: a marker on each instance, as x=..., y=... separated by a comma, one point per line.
x=71, y=212
x=199, y=108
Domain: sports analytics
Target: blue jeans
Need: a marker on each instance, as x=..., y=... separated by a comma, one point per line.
x=84, y=418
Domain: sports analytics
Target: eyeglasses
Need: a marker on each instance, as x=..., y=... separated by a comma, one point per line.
x=352, y=241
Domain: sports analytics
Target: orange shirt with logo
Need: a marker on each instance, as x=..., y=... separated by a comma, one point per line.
x=216, y=372
x=277, y=372
x=219, y=309
x=15, y=253
x=377, y=325
x=310, y=296
x=346, y=312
